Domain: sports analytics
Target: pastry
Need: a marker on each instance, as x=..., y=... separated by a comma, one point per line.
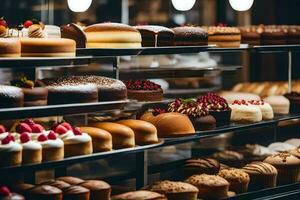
x=277, y=147
x=190, y=36
x=32, y=150
x=279, y=104
x=57, y=183
x=156, y=36
x=288, y=167
x=230, y=158
x=273, y=36
x=47, y=47
x=265, y=108
x=10, y=152
x=143, y=90
x=30, y=127
x=71, y=180
x=45, y=192
x=244, y=112
x=74, y=32
x=197, y=112
x=112, y=35
x=262, y=175
x=52, y=31
x=174, y=190
x=6, y=194
x=232, y=96
x=98, y=189
x=144, y=132
x=122, y=136
x=224, y=36
x=164, y=123
x=201, y=166
x=76, y=192
x=237, y=178
x=102, y=140
x=52, y=147
x=10, y=47
x=11, y=96
x=250, y=35
x=209, y=186
x=217, y=107
x=294, y=98
x=139, y=195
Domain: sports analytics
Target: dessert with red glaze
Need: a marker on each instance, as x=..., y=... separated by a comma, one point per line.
x=75, y=142
x=10, y=152
x=32, y=150
x=6, y=194
x=11, y=97
x=143, y=90
x=29, y=126
x=33, y=95
x=197, y=112
x=294, y=98
x=217, y=107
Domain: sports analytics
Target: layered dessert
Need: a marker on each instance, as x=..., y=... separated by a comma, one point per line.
x=10, y=152
x=273, y=36
x=251, y=34
x=11, y=96
x=190, y=36
x=265, y=108
x=32, y=150
x=244, y=112
x=293, y=35
x=224, y=36
x=10, y=47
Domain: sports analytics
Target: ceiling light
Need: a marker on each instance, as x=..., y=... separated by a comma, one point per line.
x=183, y=5
x=79, y=5
x=241, y=5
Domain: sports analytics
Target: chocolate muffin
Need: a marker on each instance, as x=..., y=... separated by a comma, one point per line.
x=230, y=158
x=74, y=32
x=201, y=166
x=57, y=183
x=294, y=98
x=98, y=189
x=190, y=36
x=76, y=192
x=139, y=195
x=70, y=180
x=11, y=97
x=45, y=192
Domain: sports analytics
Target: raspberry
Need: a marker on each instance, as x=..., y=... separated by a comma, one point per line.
x=2, y=129
x=25, y=137
x=52, y=135
x=77, y=131
x=42, y=138
x=23, y=127
x=61, y=130
x=37, y=128
x=27, y=23
x=67, y=126
x=4, y=191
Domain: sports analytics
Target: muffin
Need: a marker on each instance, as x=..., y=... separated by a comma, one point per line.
x=201, y=166
x=262, y=175
x=98, y=189
x=230, y=158
x=174, y=190
x=237, y=178
x=45, y=192
x=139, y=195
x=288, y=167
x=70, y=180
x=57, y=183
x=210, y=186
x=76, y=192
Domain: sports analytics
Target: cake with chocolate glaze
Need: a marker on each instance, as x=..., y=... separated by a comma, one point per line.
x=190, y=36
x=74, y=32
x=201, y=166
x=293, y=35
x=230, y=158
x=273, y=36
x=251, y=35
x=6, y=194
x=11, y=96
x=98, y=189
x=156, y=36
x=294, y=98
x=143, y=90
x=197, y=112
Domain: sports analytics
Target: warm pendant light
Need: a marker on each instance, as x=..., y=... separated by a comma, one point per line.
x=79, y=5
x=183, y=5
x=241, y=5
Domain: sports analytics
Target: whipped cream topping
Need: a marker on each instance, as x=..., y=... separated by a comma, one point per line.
x=58, y=143
x=71, y=138
x=11, y=146
x=3, y=135
x=31, y=145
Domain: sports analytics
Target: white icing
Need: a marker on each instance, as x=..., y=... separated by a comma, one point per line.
x=11, y=146
x=70, y=138
x=81, y=88
x=32, y=145
x=280, y=147
x=52, y=31
x=246, y=113
x=10, y=91
x=58, y=143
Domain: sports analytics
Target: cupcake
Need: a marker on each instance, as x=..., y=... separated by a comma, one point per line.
x=76, y=143
x=76, y=192
x=32, y=150
x=237, y=178
x=230, y=158
x=98, y=189
x=262, y=175
x=45, y=192
x=52, y=147
x=217, y=107
x=209, y=186
x=3, y=132
x=29, y=126
x=6, y=194
x=201, y=166
x=294, y=98
x=10, y=152
x=288, y=167
x=197, y=112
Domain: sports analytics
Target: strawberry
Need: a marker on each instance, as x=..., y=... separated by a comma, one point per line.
x=23, y=127
x=77, y=131
x=61, y=130
x=52, y=135
x=30, y=122
x=66, y=125
x=27, y=23
x=4, y=191
x=42, y=138
x=7, y=140
x=2, y=129
x=37, y=128
x=3, y=22
x=25, y=137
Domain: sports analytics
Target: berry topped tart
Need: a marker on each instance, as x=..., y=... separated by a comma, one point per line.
x=197, y=112
x=217, y=107
x=143, y=90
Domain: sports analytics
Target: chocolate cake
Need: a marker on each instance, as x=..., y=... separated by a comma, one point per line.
x=190, y=36
x=293, y=35
x=11, y=96
x=273, y=36
x=250, y=35
x=74, y=32
x=294, y=98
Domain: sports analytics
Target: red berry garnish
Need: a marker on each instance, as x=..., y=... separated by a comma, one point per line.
x=4, y=191
x=30, y=122
x=25, y=137
x=52, y=135
x=67, y=126
x=23, y=127
x=37, y=128
x=42, y=138
x=77, y=131
x=3, y=22
x=61, y=130
x=27, y=23
x=2, y=129
x=7, y=139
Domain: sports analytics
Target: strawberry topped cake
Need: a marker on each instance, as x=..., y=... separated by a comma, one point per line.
x=75, y=141
x=3, y=132
x=265, y=108
x=10, y=152
x=32, y=150
x=29, y=126
x=245, y=112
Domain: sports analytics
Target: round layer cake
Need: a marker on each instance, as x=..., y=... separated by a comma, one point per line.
x=11, y=96
x=48, y=47
x=74, y=32
x=224, y=36
x=10, y=47
x=273, y=36
x=250, y=35
x=112, y=35
x=190, y=36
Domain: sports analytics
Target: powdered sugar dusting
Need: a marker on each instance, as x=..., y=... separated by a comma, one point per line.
x=10, y=91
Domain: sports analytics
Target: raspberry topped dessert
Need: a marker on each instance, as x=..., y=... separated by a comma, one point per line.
x=6, y=194
x=3, y=132
x=265, y=108
x=143, y=90
x=294, y=98
x=30, y=127
x=10, y=152
x=197, y=112
x=245, y=112
x=32, y=150
x=217, y=107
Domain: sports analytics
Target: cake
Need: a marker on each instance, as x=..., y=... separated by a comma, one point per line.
x=101, y=139
x=209, y=186
x=164, y=123
x=224, y=36
x=10, y=152
x=293, y=35
x=217, y=107
x=265, y=108
x=144, y=132
x=174, y=190
x=30, y=127
x=36, y=31
x=56, y=183
x=11, y=96
x=237, y=178
x=6, y=194
x=112, y=35
x=122, y=136
x=262, y=175
x=74, y=32
x=139, y=195
x=199, y=166
x=294, y=98
x=295, y=152
x=143, y=90
x=288, y=167
x=273, y=36
x=98, y=189
x=230, y=158
x=71, y=180
x=190, y=36
x=232, y=96
x=10, y=47
x=45, y=192
x=32, y=150
x=76, y=192
x=47, y=47
x=197, y=112
x=22, y=188
x=75, y=141
x=250, y=35
x=156, y=36
x=244, y=112
x=279, y=104
x=3, y=132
